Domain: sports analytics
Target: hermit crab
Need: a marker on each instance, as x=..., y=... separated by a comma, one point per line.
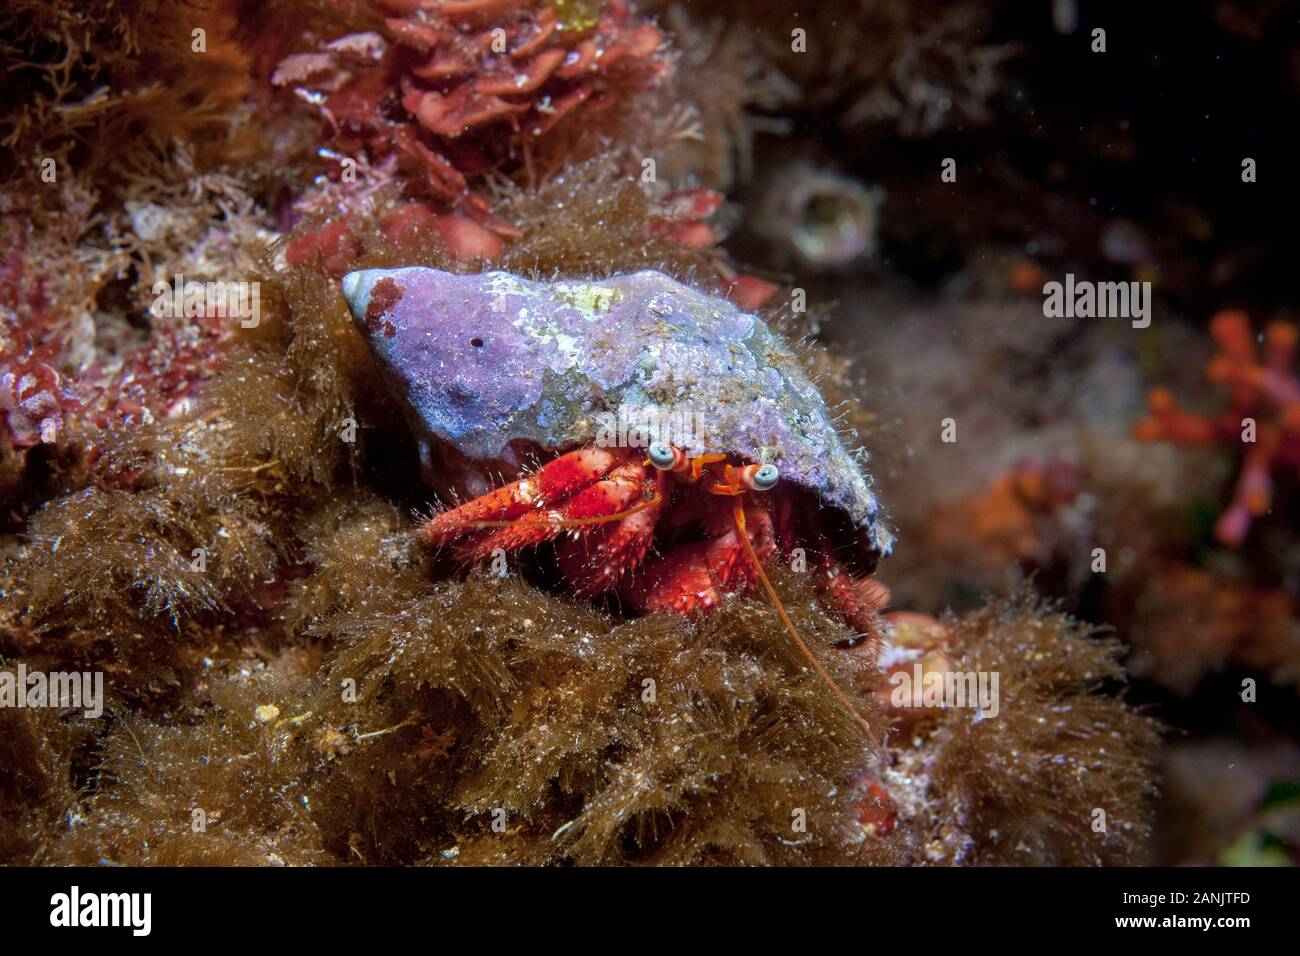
x=682, y=443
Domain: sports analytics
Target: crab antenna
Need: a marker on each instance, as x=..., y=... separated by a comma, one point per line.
x=738, y=514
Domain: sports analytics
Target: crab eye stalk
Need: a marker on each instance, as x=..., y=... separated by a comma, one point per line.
x=761, y=477
x=662, y=456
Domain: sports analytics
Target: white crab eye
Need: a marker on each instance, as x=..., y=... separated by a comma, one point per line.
x=661, y=456
x=765, y=478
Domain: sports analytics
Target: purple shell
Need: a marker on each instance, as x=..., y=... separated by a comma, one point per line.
x=490, y=361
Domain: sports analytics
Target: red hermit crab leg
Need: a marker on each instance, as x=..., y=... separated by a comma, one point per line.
x=691, y=577
x=608, y=499
x=553, y=482
x=594, y=562
x=859, y=600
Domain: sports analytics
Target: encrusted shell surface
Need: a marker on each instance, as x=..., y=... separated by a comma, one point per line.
x=486, y=361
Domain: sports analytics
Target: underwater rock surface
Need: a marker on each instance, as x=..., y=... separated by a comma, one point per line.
x=484, y=362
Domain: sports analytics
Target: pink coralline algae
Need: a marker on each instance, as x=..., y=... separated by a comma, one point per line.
x=1263, y=415
x=33, y=400
x=34, y=397
x=42, y=397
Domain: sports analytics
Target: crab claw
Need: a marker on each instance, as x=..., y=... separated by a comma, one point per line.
x=608, y=496
x=595, y=562
x=553, y=482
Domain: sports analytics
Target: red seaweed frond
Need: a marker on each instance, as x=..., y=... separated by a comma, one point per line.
x=463, y=90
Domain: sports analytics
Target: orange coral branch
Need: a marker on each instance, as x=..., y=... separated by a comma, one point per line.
x=1263, y=414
